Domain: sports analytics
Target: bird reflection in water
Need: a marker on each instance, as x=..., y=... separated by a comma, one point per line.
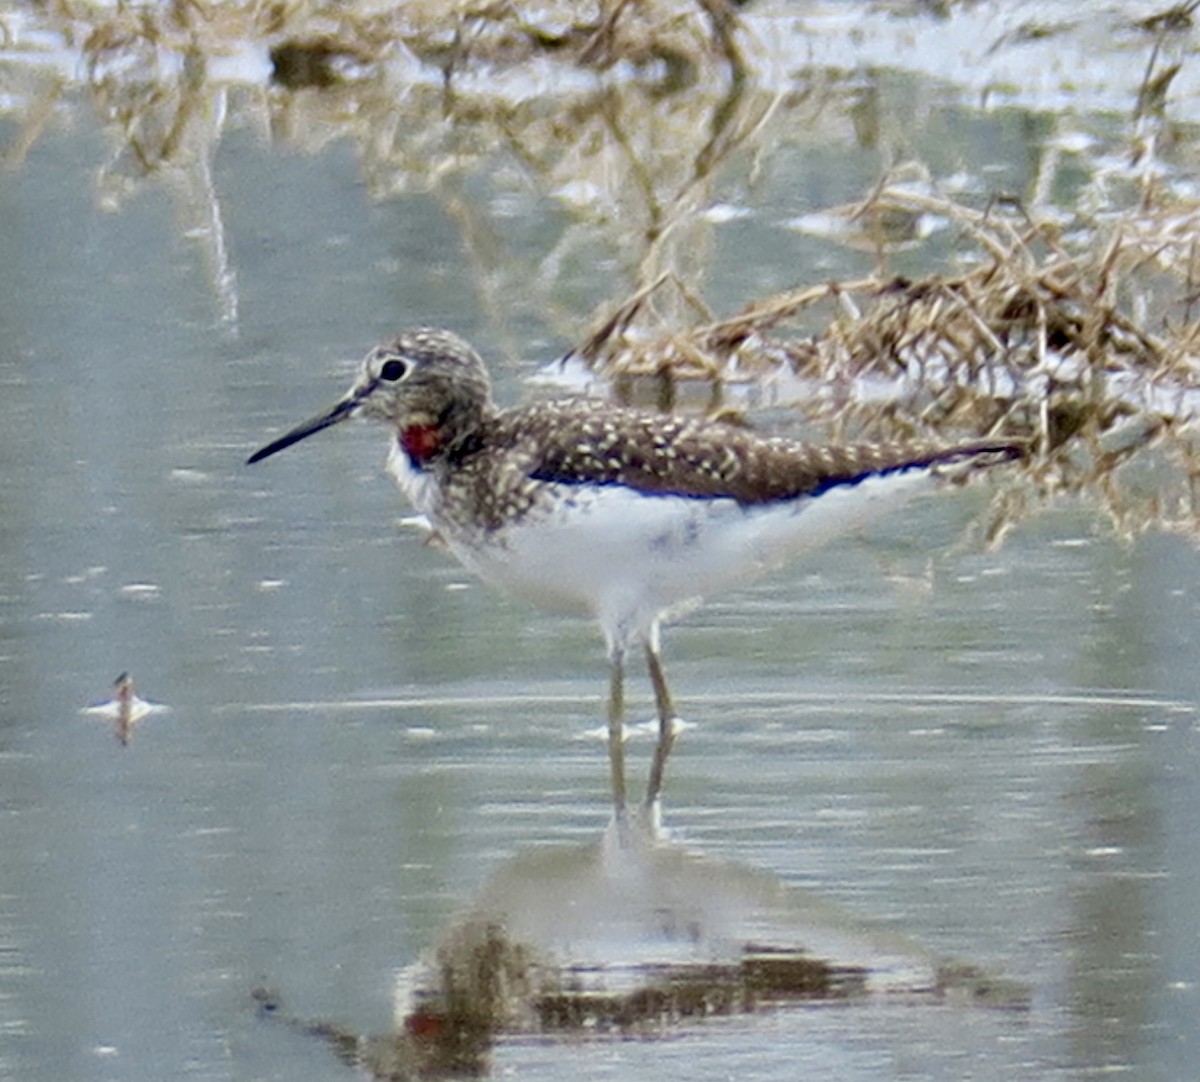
x=626, y=937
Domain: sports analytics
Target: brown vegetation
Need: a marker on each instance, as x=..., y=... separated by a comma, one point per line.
x=1072, y=326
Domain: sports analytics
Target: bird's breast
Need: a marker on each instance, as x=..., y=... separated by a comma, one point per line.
x=626, y=555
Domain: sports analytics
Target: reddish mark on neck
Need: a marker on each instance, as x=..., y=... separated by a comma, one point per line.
x=420, y=442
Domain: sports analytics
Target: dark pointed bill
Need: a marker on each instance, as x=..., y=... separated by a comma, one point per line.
x=339, y=412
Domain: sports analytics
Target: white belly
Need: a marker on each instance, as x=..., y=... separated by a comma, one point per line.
x=627, y=557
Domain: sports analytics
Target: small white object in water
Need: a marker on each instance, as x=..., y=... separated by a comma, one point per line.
x=640, y=728
x=124, y=709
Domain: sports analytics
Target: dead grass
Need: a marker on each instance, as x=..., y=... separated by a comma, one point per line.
x=1034, y=340
x=1079, y=334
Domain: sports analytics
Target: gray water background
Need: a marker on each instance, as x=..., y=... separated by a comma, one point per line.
x=994, y=754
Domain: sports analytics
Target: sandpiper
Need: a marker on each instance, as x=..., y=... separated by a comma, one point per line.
x=623, y=514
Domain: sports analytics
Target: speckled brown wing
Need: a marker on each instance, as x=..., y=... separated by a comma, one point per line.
x=573, y=443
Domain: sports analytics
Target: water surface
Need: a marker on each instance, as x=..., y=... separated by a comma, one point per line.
x=993, y=753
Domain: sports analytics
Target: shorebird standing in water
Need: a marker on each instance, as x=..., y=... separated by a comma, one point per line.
x=622, y=514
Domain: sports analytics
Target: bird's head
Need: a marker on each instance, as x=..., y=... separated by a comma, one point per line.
x=428, y=384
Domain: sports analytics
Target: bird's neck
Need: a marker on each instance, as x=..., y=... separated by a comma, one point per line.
x=449, y=437
x=421, y=442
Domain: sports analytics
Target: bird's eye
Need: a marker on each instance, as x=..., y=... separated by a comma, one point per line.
x=393, y=370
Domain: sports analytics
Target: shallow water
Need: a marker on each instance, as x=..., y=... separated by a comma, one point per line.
x=994, y=754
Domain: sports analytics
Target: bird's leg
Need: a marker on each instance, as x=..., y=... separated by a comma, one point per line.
x=666, y=722
x=616, y=728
